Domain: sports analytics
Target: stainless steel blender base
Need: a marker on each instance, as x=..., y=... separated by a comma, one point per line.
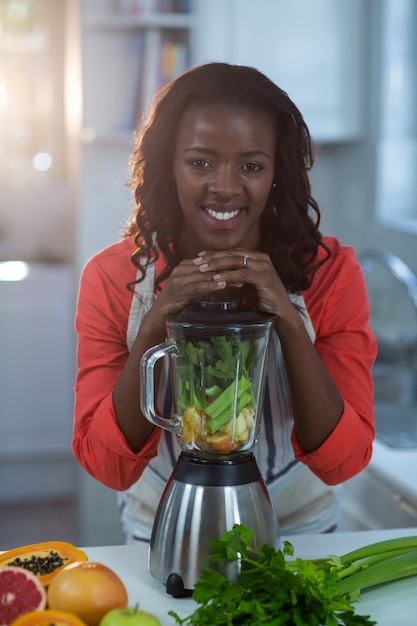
x=190, y=515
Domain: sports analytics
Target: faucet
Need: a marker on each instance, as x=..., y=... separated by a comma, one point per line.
x=401, y=272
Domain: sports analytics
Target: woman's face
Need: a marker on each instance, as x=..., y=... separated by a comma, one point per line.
x=224, y=170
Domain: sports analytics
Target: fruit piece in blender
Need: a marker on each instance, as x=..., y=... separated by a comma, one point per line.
x=220, y=442
x=192, y=422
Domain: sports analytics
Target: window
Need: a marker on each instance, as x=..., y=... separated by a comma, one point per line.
x=396, y=167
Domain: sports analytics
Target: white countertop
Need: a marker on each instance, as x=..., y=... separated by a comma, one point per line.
x=392, y=604
x=397, y=467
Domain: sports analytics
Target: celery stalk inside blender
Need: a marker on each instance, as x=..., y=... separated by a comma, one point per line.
x=215, y=394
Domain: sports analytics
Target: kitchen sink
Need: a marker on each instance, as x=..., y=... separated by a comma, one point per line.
x=396, y=384
x=393, y=321
x=395, y=394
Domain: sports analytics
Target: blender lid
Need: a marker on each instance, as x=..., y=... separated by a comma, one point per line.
x=222, y=310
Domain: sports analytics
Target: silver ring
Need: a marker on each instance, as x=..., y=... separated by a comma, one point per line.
x=245, y=262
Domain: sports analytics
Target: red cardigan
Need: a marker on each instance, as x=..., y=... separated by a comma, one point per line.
x=338, y=307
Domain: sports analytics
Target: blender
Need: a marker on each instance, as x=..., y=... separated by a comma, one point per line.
x=217, y=351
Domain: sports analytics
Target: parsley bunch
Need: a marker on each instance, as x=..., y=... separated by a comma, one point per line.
x=267, y=591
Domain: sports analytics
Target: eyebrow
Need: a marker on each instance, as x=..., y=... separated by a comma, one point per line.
x=249, y=154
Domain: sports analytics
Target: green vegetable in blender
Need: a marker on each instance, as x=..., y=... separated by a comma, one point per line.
x=219, y=409
x=279, y=591
x=208, y=373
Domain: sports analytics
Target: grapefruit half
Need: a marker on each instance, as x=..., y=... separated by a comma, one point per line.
x=20, y=592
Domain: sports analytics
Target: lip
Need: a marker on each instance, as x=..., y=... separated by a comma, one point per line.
x=231, y=215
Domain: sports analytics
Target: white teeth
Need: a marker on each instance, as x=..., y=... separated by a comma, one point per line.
x=223, y=217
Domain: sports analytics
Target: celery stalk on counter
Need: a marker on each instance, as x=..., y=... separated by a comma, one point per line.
x=276, y=589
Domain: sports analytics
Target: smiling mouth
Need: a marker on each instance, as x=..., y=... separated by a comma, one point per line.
x=222, y=216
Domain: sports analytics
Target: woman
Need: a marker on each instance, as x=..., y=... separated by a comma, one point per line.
x=220, y=180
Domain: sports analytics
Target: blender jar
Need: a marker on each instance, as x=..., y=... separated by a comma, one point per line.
x=217, y=352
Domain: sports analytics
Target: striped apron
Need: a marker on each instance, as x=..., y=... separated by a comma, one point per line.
x=303, y=503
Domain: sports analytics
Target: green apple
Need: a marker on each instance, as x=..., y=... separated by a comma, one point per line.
x=130, y=616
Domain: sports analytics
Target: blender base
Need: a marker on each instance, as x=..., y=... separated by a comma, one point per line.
x=202, y=500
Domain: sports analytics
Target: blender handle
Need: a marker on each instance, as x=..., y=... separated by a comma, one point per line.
x=147, y=386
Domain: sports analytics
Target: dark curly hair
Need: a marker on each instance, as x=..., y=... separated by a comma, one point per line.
x=291, y=217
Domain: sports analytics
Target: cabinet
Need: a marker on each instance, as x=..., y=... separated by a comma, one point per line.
x=129, y=49
x=312, y=50
x=37, y=373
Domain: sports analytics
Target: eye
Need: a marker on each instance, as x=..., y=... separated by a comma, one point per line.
x=252, y=168
x=199, y=163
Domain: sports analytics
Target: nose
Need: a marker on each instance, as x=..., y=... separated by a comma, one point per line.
x=225, y=182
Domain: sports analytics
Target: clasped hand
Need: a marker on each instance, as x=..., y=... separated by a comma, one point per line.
x=213, y=271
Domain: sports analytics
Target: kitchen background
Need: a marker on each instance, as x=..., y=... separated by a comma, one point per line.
x=74, y=74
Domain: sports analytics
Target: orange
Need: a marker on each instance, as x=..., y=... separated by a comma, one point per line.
x=48, y=618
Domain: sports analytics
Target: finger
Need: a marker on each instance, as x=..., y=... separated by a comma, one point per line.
x=225, y=260
x=185, y=285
